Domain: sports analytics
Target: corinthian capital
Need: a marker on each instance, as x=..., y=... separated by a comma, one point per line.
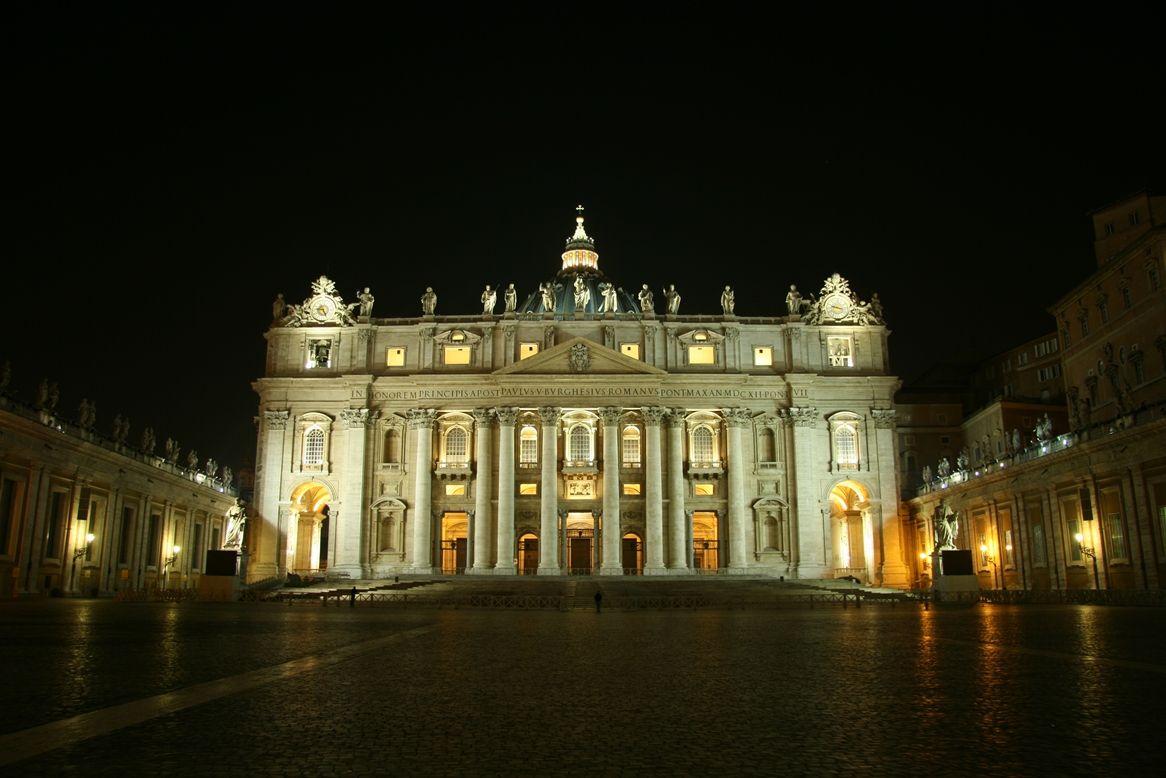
x=801, y=417
x=276, y=420
x=420, y=418
x=676, y=417
x=506, y=416
x=355, y=417
x=610, y=416
x=884, y=418
x=482, y=417
x=737, y=417
x=653, y=414
x=549, y=415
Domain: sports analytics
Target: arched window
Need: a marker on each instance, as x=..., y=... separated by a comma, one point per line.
x=702, y=445
x=314, y=447
x=528, y=445
x=579, y=444
x=392, y=453
x=457, y=446
x=631, y=445
x=767, y=447
x=846, y=445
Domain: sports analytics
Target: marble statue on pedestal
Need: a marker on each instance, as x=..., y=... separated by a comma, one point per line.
x=793, y=301
x=547, y=291
x=149, y=443
x=647, y=304
x=947, y=527
x=672, y=299
x=927, y=474
x=582, y=294
x=228, y=477
x=610, y=303
x=943, y=469
x=728, y=300
x=366, y=300
x=961, y=460
x=1015, y=440
x=236, y=520
x=171, y=450
x=489, y=300
x=428, y=302
x=510, y=299
x=278, y=308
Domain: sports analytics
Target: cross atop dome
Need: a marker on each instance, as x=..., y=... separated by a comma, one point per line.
x=580, y=253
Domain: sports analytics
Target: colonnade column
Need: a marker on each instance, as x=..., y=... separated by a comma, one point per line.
x=482, y=464
x=736, y=419
x=349, y=527
x=505, y=550
x=421, y=422
x=264, y=546
x=611, y=565
x=548, y=542
x=677, y=534
x=653, y=493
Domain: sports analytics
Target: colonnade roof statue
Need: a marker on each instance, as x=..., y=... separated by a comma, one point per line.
x=581, y=288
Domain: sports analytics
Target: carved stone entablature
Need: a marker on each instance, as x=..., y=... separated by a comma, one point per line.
x=884, y=418
x=805, y=416
x=549, y=416
x=579, y=360
x=676, y=417
x=653, y=414
x=482, y=417
x=836, y=304
x=275, y=420
x=356, y=417
x=737, y=417
x=421, y=418
x=506, y=416
x=324, y=307
x=610, y=416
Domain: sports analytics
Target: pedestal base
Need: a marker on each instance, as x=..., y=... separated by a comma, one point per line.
x=956, y=589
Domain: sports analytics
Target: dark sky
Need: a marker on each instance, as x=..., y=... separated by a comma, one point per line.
x=171, y=168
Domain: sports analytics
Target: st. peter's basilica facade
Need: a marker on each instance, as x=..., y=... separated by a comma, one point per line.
x=582, y=430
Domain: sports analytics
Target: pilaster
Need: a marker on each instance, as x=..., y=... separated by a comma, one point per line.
x=677, y=534
x=736, y=420
x=483, y=442
x=653, y=492
x=351, y=557
x=611, y=563
x=421, y=425
x=548, y=557
x=505, y=546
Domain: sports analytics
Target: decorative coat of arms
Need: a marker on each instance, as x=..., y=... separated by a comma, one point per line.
x=579, y=358
x=325, y=306
x=838, y=305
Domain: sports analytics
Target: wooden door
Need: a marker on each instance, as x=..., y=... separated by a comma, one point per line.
x=580, y=555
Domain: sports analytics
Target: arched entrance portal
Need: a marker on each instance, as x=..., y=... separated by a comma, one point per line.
x=632, y=554
x=454, y=543
x=580, y=543
x=851, y=539
x=308, y=528
x=705, y=544
x=528, y=554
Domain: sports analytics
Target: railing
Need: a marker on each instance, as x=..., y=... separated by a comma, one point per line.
x=1155, y=598
x=405, y=601
x=155, y=595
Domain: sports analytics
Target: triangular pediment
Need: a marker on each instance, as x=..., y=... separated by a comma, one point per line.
x=567, y=359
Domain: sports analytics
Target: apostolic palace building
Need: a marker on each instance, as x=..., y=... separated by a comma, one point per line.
x=581, y=430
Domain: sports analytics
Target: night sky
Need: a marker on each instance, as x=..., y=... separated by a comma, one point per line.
x=170, y=170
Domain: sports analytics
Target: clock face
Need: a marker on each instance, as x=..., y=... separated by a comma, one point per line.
x=836, y=306
x=322, y=308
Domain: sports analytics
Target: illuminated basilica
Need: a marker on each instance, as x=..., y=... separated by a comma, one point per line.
x=582, y=429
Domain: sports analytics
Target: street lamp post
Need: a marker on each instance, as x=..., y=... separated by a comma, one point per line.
x=1089, y=552
x=78, y=554
x=169, y=561
x=989, y=559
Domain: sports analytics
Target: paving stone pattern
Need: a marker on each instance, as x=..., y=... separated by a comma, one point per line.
x=986, y=690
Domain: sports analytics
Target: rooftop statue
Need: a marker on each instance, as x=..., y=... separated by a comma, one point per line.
x=547, y=290
x=228, y=476
x=278, y=308
x=149, y=443
x=489, y=300
x=728, y=300
x=672, y=299
x=366, y=300
x=582, y=295
x=510, y=299
x=943, y=469
x=646, y=303
x=793, y=301
x=192, y=460
x=610, y=302
x=876, y=308
x=428, y=302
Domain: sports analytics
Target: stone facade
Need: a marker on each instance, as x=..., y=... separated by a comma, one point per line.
x=61, y=482
x=550, y=440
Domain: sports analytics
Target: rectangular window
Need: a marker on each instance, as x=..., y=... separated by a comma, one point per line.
x=1127, y=299
x=631, y=489
x=395, y=356
x=1038, y=546
x=762, y=356
x=456, y=355
x=703, y=490
x=127, y=527
x=528, y=489
x=319, y=353
x=840, y=352
x=1104, y=309
x=1084, y=327
x=196, y=560
x=1139, y=373
x=455, y=490
x=527, y=350
x=1115, y=538
x=93, y=519
x=155, y=539
x=702, y=355
x=8, y=512
x=1022, y=359
x=1072, y=530
x=630, y=350
x=1009, y=560
x=945, y=440
x=58, y=512
x=528, y=446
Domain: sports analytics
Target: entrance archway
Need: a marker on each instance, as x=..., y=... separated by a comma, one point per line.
x=528, y=554
x=706, y=556
x=632, y=554
x=850, y=534
x=308, y=528
x=455, y=542
x=580, y=543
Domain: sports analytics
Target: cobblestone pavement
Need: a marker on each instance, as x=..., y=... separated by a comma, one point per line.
x=998, y=690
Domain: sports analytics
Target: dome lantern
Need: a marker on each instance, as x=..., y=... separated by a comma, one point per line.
x=580, y=253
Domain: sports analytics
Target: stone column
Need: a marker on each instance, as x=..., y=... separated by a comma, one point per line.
x=264, y=544
x=349, y=527
x=737, y=419
x=482, y=467
x=421, y=422
x=32, y=530
x=677, y=558
x=812, y=525
x=653, y=492
x=893, y=571
x=611, y=563
x=505, y=550
x=548, y=545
